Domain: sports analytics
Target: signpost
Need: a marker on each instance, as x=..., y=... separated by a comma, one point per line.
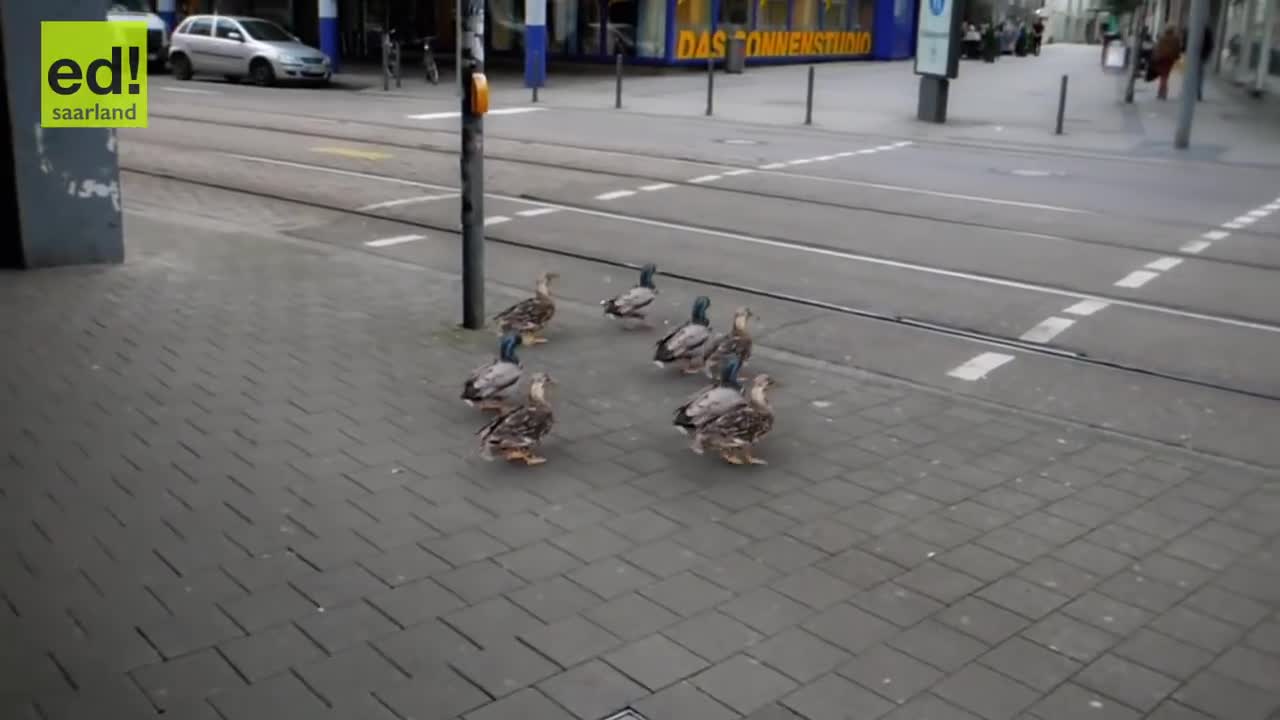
x=937, y=57
x=475, y=102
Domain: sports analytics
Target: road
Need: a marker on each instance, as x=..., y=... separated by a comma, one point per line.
x=1137, y=296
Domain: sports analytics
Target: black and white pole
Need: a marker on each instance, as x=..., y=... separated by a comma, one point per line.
x=472, y=54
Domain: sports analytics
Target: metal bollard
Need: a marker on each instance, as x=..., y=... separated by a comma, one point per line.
x=386, y=63
x=397, y=47
x=711, y=83
x=1062, y=105
x=535, y=93
x=808, y=100
x=617, y=92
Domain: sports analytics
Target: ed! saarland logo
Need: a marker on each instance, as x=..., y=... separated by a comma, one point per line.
x=93, y=74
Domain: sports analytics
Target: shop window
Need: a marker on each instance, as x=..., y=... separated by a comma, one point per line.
x=506, y=23
x=562, y=26
x=693, y=15
x=651, y=28
x=835, y=14
x=735, y=12
x=863, y=14
x=804, y=14
x=772, y=15
x=591, y=13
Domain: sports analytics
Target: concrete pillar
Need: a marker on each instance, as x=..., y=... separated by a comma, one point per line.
x=64, y=204
x=168, y=12
x=1264, y=47
x=535, y=43
x=330, y=33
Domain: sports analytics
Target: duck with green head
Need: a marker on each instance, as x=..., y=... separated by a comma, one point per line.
x=486, y=384
x=631, y=304
x=685, y=343
x=713, y=401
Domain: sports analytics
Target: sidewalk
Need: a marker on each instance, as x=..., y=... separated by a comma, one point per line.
x=237, y=482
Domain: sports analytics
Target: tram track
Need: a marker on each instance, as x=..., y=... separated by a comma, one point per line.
x=1190, y=229
x=906, y=322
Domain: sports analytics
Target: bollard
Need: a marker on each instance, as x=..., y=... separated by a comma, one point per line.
x=711, y=83
x=397, y=48
x=617, y=92
x=1062, y=105
x=535, y=93
x=386, y=63
x=808, y=100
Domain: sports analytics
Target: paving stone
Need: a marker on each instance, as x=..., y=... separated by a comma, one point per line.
x=1011, y=501
x=655, y=662
x=783, y=553
x=479, y=581
x=466, y=547
x=860, y=569
x=611, y=577
x=683, y=700
x=1223, y=605
x=827, y=535
x=870, y=519
x=850, y=628
x=1022, y=597
x=404, y=564
x=743, y=684
x=942, y=532
x=686, y=594
x=504, y=668
x=1170, y=710
x=492, y=621
x=1250, y=667
x=520, y=529
x=1070, y=701
x=1030, y=664
x=799, y=655
x=759, y=522
x=939, y=582
x=1131, y=684
x=833, y=698
x=830, y=494
x=335, y=550
x=642, y=526
x=1160, y=652
x=571, y=641
x=890, y=673
x=663, y=558
x=902, y=548
x=1058, y=576
x=339, y=586
x=814, y=588
x=631, y=616
x=1121, y=539
x=539, y=561
x=341, y=628
x=980, y=619
x=592, y=691
x=1103, y=612
x=1172, y=571
x=766, y=610
x=592, y=543
x=1015, y=543
x=938, y=645
x=1266, y=637
x=978, y=562
x=188, y=679
x=929, y=706
x=416, y=602
x=1222, y=697
x=443, y=694
x=773, y=711
x=713, y=636
x=1072, y=638
x=282, y=696
x=270, y=651
x=986, y=693
x=269, y=606
x=736, y=572
x=554, y=599
x=896, y=604
x=420, y=650
x=197, y=630
x=527, y=704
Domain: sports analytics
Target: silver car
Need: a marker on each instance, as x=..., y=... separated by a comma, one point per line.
x=237, y=47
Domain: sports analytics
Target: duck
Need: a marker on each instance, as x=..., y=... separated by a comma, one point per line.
x=516, y=433
x=735, y=342
x=531, y=316
x=486, y=384
x=685, y=343
x=712, y=402
x=733, y=433
x=631, y=304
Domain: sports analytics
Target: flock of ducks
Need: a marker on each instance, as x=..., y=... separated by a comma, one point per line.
x=723, y=417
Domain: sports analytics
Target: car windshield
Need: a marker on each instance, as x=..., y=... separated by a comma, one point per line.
x=265, y=31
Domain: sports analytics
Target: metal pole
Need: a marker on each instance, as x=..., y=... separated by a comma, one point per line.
x=1136, y=52
x=386, y=62
x=1062, y=105
x=457, y=44
x=1220, y=35
x=472, y=55
x=397, y=47
x=808, y=100
x=617, y=90
x=1264, y=47
x=1191, y=80
x=711, y=83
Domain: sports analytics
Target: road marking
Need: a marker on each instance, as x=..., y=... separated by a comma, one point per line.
x=767, y=242
x=705, y=179
x=884, y=148
x=930, y=193
x=1136, y=279
x=1048, y=329
x=739, y=171
x=1260, y=213
x=1272, y=207
x=1245, y=220
x=1164, y=263
x=496, y=220
x=615, y=194
x=978, y=367
x=406, y=201
x=456, y=113
x=772, y=166
x=847, y=153
x=1216, y=235
x=824, y=158
x=189, y=91
x=352, y=153
x=397, y=240
x=1233, y=225
x=656, y=186
x=535, y=212
x=868, y=151
x=801, y=161
x=1195, y=247
x=1085, y=308
x=902, y=143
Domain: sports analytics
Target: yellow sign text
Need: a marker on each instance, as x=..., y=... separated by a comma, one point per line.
x=93, y=74
x=770, y=43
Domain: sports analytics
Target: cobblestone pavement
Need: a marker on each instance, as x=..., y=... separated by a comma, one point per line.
x=237, y=482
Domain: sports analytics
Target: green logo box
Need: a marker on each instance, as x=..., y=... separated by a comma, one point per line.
x=93, y=74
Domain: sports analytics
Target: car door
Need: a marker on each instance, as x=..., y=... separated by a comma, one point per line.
x=229, y=43
x=195, y=40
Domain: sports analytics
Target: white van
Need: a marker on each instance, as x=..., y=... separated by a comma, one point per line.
x=157, y=33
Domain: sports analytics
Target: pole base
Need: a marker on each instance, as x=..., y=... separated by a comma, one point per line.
x=932, y=105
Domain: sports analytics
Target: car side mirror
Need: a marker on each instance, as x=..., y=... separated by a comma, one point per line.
x=233, y=35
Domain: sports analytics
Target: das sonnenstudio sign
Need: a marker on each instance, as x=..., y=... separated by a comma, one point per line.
x=937, y=52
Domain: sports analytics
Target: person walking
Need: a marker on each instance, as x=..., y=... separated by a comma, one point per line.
x=1168, y=49
x=1206, y=52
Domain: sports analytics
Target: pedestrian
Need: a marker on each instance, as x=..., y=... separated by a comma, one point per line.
x=1206, y=52
x=1168, y=49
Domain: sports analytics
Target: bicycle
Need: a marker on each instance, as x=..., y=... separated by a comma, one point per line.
x=429, y=62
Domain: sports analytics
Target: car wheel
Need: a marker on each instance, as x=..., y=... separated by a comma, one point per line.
x=262, y=73
x=181, y=67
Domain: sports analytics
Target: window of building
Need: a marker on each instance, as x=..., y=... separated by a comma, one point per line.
x=505, y=19
x=772, y=15
x=735, y=12
x=651, y=28
x=804, y=14
x=693, y=15
x=863, y=13
x=562, y=26
x=835, y=14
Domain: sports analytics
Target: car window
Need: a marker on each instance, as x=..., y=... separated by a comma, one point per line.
x=199, y=26
x=225, y=28
x=266, y=31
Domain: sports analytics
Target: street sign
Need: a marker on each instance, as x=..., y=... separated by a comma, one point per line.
x=937, y=36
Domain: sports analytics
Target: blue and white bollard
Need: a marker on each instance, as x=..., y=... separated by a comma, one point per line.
x=330, y=39
x=168, y=12
x=535, y=43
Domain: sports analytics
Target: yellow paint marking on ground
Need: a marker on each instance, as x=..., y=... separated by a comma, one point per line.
x=352, y=153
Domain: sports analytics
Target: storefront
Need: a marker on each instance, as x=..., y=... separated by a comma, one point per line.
x=687, y=32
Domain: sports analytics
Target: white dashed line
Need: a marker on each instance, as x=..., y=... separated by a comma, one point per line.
x=978, y=367
x=1048, y=329
x=397, y=240
x=1260, y=213
x=406, y=201
x=656, y=186
x=496, y=220
x=1195, y=247
x=739, y=171
x=800, y=161
x=1272, y=207
x=1164, y=263
x=868, y=151
x=456, y=113
x=773, y=166
x=705, y=179
x=1216, y=235
x=824, y=158
x=902, y=143
x=1136, y=279
x=1245, y=220
x=615, y=194
x=1085, y=308
x=1233, y=225
x=847, y=153
x=535, y=212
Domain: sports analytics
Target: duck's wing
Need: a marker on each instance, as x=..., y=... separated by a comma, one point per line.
x=686, y=340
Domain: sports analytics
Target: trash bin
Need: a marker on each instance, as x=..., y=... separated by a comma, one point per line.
x=735, y=52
